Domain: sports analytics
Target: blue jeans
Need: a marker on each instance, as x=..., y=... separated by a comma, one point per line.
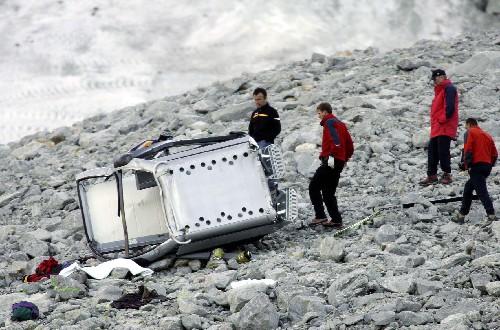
x=272, y=185
x=477, y=181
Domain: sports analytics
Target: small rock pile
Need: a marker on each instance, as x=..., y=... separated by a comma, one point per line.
x=411, y=268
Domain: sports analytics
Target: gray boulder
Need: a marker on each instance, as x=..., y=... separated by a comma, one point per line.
x=285, y=294
x=296, y=138
x=380, y=147
x=171, y=322
x=462, y=306
x=320, y=58
x=233, y=112
x=349, y=285
x=383, y=318
x=424, y=286
x=408, y=318
x=6, y=198
x=331, y=249
x=300, y=305
x=399, y=284
x=455, y=322
x=455, y=260
x=410, y=64
x=493, y=288
x=220, y=280
x=192, y=303
x=307, y=162
x=239, y=297
x=35, y=248
x=221, y=326
x=480, y=280
x=258, y=314
x=161, y=264
x=479, y=64
x=67, y=288
x=100, y=138
x=204, y=106
x=192, y=321
x=386, y=233
x=108, y=293
x=31, y=150
x=489, y=260
x=435, y=302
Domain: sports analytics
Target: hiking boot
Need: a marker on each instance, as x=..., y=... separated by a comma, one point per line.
x=446, y=178
x=429, y=180
x=490, y=219
x=334, y=225
x=458, y=218
x=316, y=221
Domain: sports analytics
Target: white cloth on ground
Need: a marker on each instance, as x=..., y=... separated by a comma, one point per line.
x=266, y=281
x=103, y=270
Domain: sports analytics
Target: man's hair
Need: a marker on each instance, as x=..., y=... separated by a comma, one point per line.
x=471, y=122
x=260, y=90
x=325, y=107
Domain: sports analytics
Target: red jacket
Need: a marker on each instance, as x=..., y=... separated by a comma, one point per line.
x=444, y=110
x=479, y=147
x=337, y=141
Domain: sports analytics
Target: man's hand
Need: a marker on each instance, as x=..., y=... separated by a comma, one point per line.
x=331, y=162
x=461, y=166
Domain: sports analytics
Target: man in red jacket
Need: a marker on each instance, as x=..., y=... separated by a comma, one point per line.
x=444, y=125
x=336, y=149
x=480, y=155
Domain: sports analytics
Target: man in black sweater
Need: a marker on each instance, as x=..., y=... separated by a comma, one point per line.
x=265, y=122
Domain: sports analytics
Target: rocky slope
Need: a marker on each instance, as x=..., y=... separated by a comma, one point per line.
x=412, y=268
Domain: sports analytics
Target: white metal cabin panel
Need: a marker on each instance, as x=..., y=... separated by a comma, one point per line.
x=144, y=214
x=222, y=187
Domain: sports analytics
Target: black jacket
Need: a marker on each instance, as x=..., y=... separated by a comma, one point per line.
x=264, y=124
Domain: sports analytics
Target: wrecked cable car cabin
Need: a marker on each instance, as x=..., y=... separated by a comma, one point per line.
x=175, y=198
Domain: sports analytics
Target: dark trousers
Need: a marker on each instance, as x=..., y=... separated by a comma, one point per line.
x=322, y=189
x=439, y=152
x=477, y=181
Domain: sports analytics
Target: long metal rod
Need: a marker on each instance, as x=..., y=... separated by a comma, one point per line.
x=121, y=210
x=434, y=201
x=442, y=201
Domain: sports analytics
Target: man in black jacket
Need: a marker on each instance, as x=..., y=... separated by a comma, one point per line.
x=265, y=122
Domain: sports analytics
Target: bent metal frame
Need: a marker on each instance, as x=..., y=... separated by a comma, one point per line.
x=180, y=197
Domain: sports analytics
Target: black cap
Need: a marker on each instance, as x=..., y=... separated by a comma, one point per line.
x=437, y=73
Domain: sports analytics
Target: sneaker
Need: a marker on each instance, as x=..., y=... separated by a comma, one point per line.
x=429, y=180
x=335, y=225
x=446, y=178
x=458, y=218
x=490, y=219
x=316, y=221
